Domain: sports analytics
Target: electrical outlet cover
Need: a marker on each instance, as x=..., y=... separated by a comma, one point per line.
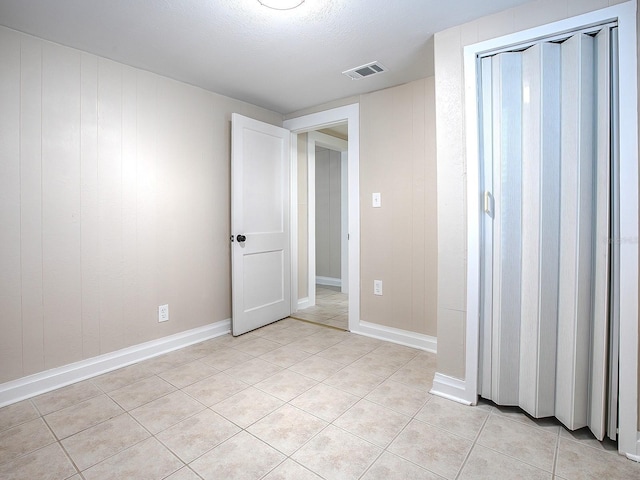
x=163, y=313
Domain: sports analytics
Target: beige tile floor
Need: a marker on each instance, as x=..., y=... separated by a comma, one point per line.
x=331, y=308
x=289, y=401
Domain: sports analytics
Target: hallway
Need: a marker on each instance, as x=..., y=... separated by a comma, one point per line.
x=331, y=308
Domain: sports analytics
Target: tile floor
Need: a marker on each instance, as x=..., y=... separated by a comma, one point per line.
x=331, y=308
x=289, y=401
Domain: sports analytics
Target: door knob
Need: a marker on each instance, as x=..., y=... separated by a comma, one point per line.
x=241, y=238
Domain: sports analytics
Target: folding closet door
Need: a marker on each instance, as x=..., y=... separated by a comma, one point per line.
x=546, y=269
x=540, y=228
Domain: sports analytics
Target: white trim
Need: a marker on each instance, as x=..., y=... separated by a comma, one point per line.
x=635, y=458
x=315, y=121
x=330, y=281
x=449, y=388
x=625, y=14
x=36, y=384
x=628, y=131
x=397, y=335
x=470, y=384
x=293, y=223
x=327, y=141
x=303, y=303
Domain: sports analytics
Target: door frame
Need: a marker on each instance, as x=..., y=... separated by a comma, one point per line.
x=625, y=14
x=319, y=139
x=316, y=121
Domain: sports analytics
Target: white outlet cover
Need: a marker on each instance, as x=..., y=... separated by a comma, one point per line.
x=377, y=287
x=163, y=313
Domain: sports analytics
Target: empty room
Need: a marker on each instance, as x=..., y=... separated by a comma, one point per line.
x=319, y=239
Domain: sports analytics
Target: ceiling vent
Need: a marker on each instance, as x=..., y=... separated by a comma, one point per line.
x=366, y=70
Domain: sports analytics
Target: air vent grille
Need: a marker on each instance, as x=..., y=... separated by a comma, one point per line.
x=366, y=70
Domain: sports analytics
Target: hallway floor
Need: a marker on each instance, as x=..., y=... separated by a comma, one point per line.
x=331, y=308
x=291, y=400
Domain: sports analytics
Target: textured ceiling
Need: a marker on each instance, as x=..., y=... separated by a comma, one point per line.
x=281, y=60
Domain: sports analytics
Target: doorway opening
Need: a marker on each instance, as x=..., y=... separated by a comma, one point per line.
x=335, y=130
x=549, y=293
x=327, y=199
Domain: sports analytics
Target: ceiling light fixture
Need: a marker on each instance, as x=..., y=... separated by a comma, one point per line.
x=281, y=4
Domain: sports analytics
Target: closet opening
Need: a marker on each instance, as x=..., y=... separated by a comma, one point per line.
x=549, y=173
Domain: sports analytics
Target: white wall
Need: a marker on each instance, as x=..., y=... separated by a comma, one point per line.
x=114, y=199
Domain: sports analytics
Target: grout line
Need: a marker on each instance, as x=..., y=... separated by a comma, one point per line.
x=317, y=323
x=556, y=450
x=124, y=450
x=64, y=449
x=192, y=471
x=585, y=444
x=496, y=414
x=382, y=450
x=473, y=444
x=386, y=449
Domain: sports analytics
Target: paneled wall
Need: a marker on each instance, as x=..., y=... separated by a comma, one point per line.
x=114, y=199
x=399, y=240
x=328, y=213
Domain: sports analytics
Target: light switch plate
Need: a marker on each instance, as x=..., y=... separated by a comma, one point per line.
x=376, y=200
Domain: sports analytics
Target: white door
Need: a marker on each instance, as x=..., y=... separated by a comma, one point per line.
x=260, y=248
x=546, y=144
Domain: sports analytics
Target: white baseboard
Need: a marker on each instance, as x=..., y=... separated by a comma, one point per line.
x=42, y=382
x=304, y=303
x=396, y=335
x=450, y=388
x=634, y=456
x=330, y=281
